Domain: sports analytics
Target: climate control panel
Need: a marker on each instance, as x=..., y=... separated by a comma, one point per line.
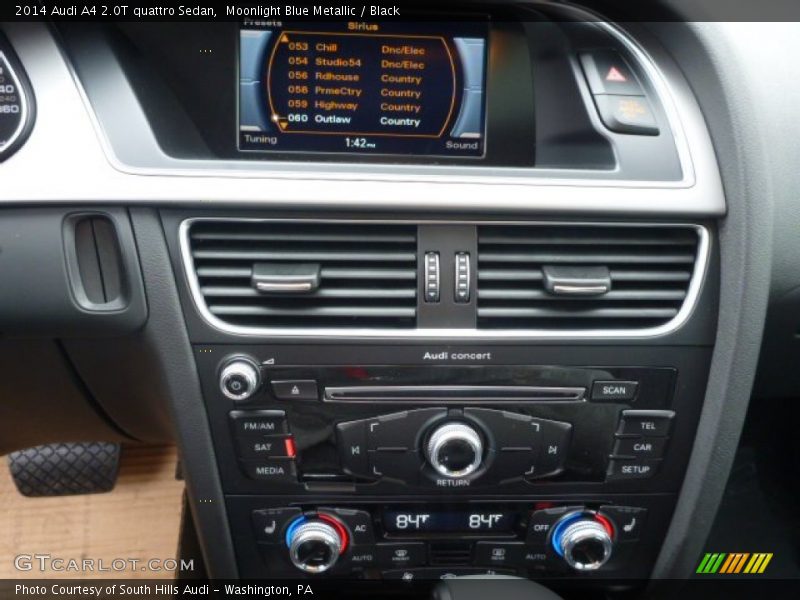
x=409, y=542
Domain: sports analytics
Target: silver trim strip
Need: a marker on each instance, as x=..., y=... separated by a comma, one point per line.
x=23, y=104
x=450, y=393
x=688, y=307
x=266, y=286
x=581, y=290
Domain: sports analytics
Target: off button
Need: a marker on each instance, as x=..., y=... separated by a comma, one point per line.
x=614, y=391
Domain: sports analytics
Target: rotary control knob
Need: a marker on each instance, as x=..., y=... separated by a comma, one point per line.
x=455, y=450
x=239, y=379
x=315, y=544
x=584, y=540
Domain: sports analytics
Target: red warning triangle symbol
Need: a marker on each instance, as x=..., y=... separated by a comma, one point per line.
x=614, y=74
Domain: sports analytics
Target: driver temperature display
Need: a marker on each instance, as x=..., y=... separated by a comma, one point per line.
x=379, y=89
x=450, y=521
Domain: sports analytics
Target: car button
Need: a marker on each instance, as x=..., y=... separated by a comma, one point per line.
x=652, y=423
x=295, y=389
x=645, y=447
x=626, y=114
x=608, y=73
x=614, y=391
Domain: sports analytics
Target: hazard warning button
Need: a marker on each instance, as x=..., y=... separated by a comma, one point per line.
x=608, y=73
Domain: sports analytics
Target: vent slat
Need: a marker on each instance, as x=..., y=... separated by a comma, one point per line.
x=650, y=269
x=325, y=273
x=279, y=256
x=588, y=240
x=248, y=292
x=229, y=236
x=591, y=313
x=571, y=257
x=613, y=295
x=312, y=311
x=368, y=273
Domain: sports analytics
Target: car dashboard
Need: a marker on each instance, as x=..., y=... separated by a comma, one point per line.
x=447, y=295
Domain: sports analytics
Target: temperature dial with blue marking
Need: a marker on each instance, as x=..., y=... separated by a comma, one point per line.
x=316, y=543
x=585, y=540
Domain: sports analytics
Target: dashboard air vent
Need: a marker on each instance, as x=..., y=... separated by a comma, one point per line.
x=295, y=274
x=583, y=277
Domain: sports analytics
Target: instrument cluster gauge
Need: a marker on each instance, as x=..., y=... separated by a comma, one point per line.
x=16, y=102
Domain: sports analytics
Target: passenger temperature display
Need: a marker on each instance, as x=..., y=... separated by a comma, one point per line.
x=363, y=88
x=450, y=521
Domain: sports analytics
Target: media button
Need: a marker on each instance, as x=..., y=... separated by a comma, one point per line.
x=279, y=470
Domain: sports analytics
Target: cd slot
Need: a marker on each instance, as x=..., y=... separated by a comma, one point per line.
x=460, y=394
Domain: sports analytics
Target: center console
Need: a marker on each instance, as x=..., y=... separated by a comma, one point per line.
x=416, y=471
x=369, y=441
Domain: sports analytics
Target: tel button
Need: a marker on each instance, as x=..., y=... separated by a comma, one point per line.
x=653, y=423
x=614, y=391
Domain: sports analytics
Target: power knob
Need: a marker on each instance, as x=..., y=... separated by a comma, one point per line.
x=239, y=378
x=315, y=544
x=584, y=540
x=455, y=450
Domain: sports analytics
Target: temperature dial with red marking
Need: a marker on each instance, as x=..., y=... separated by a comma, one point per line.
x=585, y=540
x=316, y=543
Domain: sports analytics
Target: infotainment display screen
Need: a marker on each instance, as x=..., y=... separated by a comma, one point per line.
x=354, y=87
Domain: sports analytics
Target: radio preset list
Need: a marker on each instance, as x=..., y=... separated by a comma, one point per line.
x=391, y=88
